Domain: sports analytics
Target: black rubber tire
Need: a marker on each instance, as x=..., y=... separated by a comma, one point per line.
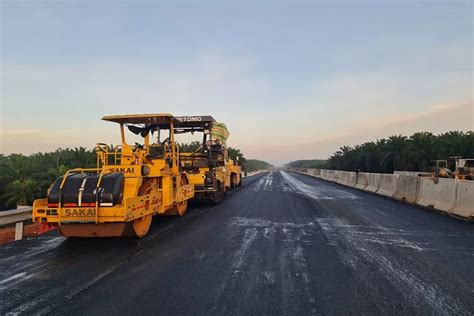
x=219, y=194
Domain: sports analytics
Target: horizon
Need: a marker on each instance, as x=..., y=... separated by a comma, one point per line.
x=289, y=80
x=278, y=165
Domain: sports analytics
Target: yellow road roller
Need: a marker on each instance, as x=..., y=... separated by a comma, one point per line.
x=130, y=184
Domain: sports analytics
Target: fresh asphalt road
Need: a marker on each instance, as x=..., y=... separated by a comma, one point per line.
x=283, y=243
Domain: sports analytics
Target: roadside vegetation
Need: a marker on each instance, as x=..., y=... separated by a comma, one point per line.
x=309, y=163
x=398, y=152
x=26, y=178
x=255, y=164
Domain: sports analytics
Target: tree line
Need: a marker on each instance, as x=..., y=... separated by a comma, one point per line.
x=397, y=152
x=25, y=178
x=309, y=163
x=255, y=164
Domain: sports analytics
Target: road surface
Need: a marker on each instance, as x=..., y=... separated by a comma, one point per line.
x=283, y=243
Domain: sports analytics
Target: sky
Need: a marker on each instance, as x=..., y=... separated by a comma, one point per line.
x=291, y=80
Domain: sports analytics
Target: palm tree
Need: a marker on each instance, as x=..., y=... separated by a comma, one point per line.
x=469, y=136
x=348, y=162
x=392, y=153
x=53, y=167
x=235, y=154
x=420, y=151
x=334, y=160
x=16, y=167
x=15, y=177
x=366, y=157
x=80, y=157
x=455, y=143
x=342, y=159
x=20, y=192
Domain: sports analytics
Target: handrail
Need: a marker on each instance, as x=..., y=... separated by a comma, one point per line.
x=14, y=216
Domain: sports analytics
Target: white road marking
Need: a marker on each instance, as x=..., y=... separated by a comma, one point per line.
x=265, y=183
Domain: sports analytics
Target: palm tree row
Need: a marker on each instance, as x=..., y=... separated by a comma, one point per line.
x=26, y=178
x=398, y=152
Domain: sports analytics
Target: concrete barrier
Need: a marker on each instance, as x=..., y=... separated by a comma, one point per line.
x=334, y=175
x=347, y=178
x=324, y=174
x=313, y=172
x=327, y=175
x=464, y=200
x=316, y=172
x=374, y=182
x=449, y=195
x=408, y=188
x=298, y=170
x=343, y=177
x=388, y=185
x=412, y=173
x=352, y=179
x=362, y=180
x=438, y=193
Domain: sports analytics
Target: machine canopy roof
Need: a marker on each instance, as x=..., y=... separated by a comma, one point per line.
x=202, y=121
x=142, y=124
x=147, y=119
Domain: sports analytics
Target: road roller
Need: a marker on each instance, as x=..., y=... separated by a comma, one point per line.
x=130, y=184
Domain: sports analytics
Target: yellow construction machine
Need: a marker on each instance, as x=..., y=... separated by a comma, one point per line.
x=130, y=184
x=463, y=168
x=208, y=168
